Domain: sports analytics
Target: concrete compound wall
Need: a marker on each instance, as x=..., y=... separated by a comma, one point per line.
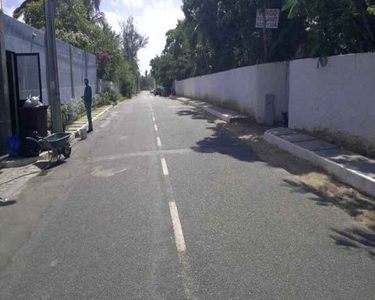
x=242, y=89
x=339, y=98
x=74, y=64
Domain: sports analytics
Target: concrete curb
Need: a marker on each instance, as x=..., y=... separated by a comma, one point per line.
x=74, y=140
x=18, y=162
x=209, y=108
x=360, y=181
x=94, y=119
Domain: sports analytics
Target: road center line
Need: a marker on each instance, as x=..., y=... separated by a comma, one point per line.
x=164, y=166
x=153, y=119
x=178, y=234
x=189, y=285
x=158, y=140
x=156, y=127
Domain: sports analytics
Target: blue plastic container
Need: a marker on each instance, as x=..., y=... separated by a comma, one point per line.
x=14, y=146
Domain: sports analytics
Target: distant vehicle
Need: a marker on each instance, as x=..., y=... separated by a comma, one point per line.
x=157, y=92
x=152, y=91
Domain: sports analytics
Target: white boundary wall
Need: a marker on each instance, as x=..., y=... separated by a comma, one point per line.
x=339, y=98
x=243, y=89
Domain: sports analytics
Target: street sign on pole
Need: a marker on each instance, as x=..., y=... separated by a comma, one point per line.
x=272, y=18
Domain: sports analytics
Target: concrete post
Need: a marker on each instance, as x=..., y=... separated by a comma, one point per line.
x=52, y=68
x=71, y=70
x=5, y=118
x=86, y=66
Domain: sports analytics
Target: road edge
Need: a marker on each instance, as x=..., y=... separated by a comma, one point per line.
x=363, y=183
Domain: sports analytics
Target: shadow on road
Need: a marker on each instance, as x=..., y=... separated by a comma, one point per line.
x=45, y=166
x=196, y=114
x=355, y=238
x=245, y=142
x=354, y=207
x=220, y=141
x=5, y=202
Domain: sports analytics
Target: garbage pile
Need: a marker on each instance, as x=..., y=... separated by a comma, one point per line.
x=33, y=102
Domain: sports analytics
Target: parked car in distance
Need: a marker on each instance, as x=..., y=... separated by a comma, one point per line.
x=157, y=92
x=151, y=91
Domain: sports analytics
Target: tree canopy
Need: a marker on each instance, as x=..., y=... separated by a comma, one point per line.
x=218, y=35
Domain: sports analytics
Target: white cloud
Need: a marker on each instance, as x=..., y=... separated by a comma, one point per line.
x=154, y=20
x=115, y=3
x=8, y=10
x=114, y=19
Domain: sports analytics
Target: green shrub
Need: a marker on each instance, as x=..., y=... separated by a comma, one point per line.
x=97, y=101
x=75, y=108
x=126, y=81
x=49, y=118
x=106, y=98
x=114, y=96
x=64, y=114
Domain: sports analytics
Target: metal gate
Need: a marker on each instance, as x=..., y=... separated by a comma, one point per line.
x=24, y=79
x=28, y=76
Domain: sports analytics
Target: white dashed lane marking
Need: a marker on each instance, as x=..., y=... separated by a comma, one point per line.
x=178, y=234
x=158, y=142
x=164, y=166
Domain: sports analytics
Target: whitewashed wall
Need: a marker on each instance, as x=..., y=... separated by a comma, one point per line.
x=339, y=97
x=243, y=89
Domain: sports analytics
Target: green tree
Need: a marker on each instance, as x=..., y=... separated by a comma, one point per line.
x=218, y=35
x=21, y=9
x=132, y=41
x=147, y=82
x=335, y=27
x=71, y=23
x=92, y=8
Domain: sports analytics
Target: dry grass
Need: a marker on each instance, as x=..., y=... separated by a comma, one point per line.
x=309, y=179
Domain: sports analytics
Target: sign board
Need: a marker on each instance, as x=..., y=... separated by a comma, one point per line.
x=272, y=18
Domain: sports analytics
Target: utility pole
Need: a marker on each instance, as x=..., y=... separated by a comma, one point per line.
x=52, y=68
x=5, y=120
x=265, y=34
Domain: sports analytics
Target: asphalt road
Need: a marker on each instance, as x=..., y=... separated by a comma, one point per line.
x=160, y=203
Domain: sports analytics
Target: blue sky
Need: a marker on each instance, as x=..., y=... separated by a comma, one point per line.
x=153, y=18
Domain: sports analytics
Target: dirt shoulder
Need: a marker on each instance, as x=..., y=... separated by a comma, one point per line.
x=309, y=179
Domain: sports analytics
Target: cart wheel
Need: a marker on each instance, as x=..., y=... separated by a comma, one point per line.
x=67, y=150
x=54, y=156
